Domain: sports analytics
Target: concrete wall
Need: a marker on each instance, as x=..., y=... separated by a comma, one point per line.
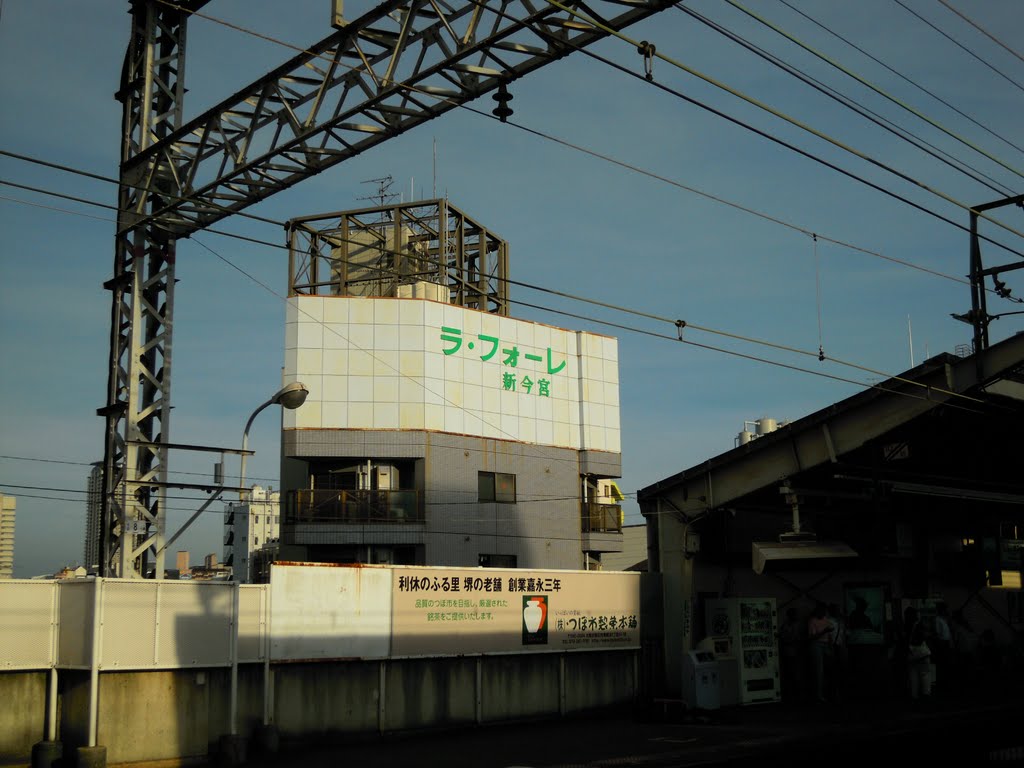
x=159, y=715
x=436, y=692
x=326, y=699
x=521, y=686
x=23, y=714
x=602, y=681
x=167, y=715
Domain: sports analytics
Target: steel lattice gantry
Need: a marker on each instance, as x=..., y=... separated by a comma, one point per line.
x=399, y=65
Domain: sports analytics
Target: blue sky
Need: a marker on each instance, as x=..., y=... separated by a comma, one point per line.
x=574, y=223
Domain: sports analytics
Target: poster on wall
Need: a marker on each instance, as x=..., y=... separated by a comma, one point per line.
x=864, y=606
x=452, y=611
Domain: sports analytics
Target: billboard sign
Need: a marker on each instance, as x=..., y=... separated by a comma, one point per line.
x=454, y=611
x=416, y=364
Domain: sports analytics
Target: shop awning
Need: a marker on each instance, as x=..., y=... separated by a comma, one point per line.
x=776, y=552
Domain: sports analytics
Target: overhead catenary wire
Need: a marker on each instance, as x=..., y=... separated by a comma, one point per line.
x=251, y=240
x=902, y=76
x=874, y=117
x=884, y=94
x=981, y=29
x=606, y=157
x=433, y=532
x=521, y=497
x=694, y=326
x=93, y=463
x=792, y=121
x=593, y=153
x=607, y=30
x=958, y=44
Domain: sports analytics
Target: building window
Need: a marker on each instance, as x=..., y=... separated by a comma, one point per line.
x=497, y=486
x=497, y=561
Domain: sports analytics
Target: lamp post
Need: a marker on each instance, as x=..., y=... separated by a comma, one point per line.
x=290, y=396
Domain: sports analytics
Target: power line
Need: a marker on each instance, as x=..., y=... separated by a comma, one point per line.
x=531, y=498
x=736, y=121
x=634, y=330
x=565, y=143
x=834, y=94
x=981, y=29
x=792, y=121
x=432, y=532
x=959, y=45
x=94, y=463
x=902, y=76
x=760, y=19
x=609, y=31
x=598, y=155
x=708, y=330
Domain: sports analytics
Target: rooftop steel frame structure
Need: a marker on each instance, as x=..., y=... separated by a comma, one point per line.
x=372, y=251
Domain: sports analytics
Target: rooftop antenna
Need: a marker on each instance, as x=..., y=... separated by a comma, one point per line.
x=910, y=336
x=434, y=192
x=383, y=195
x=382, y=198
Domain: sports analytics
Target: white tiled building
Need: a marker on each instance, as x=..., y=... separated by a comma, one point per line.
x=438, y=430
x=250, y=526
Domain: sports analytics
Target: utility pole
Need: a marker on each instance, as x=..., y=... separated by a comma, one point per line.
x=979, y=317
x=138, y=407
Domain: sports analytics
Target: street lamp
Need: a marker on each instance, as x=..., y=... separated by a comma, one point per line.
x=290, y=396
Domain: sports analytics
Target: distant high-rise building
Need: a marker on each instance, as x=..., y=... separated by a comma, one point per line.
x=183, y=563
x=250, y=526
x=7, y=507
x=93, y=515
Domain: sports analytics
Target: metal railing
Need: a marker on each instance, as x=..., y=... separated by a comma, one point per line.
x=332, y=506
x=601, y=518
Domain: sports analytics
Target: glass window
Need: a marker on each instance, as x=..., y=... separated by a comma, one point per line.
x=499, y=487
x=485, y=482
x=497, y=561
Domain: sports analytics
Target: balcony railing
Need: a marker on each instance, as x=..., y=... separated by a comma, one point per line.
x=601, y=518
x=327, y=506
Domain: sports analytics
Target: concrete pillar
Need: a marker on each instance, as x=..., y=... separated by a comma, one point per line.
x=268, y=739
x=45, y=754
x=230, y=750
x=92, y=757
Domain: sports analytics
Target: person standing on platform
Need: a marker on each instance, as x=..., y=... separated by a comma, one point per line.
x=791, y=642
x=941, y=643
x=819, y=636
x=919, y=664
x=837, y=675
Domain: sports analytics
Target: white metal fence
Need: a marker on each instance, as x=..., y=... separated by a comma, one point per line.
x=28, y=615
x=135, y=624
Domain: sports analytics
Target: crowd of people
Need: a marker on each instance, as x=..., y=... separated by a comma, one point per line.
x=829, y=656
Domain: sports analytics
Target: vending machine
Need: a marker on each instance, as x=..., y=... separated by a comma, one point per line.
x=746, y=629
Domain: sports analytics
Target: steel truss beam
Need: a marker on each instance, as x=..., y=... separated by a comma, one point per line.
x=397, y=66
x=401, y=64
